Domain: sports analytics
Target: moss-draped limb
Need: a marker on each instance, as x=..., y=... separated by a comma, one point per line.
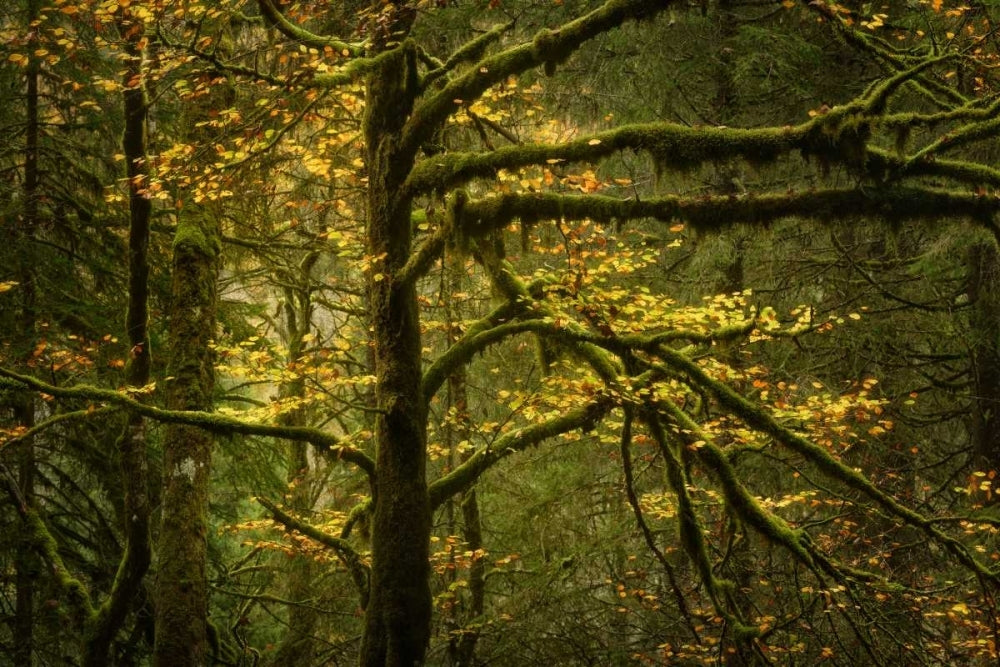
x=738, y=499
x=690, y=529
x=675, y=146
x=353, y=71
x=466, y=474
x=482, y=336
x=52, y=421
x=299, y=34
x=672, y=145
x=469, y=345
x=506, y=281
x=548, y=46
x=759, y=419
x=877, y=97
x=39, y=536
x=210, y=421
x=880, y=161
x=345, y=552
x=894, y=204
x=887, y=56
x=471, y=50
x=625, y=449
x=962, y=136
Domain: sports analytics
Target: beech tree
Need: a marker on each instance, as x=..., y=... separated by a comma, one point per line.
x=619, y=360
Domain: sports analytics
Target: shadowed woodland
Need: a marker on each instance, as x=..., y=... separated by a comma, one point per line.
x=499, y=332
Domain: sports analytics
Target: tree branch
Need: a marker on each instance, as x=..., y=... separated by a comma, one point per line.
x=299, y=34
x=713, y=213
x=466, y=474
x=549, y=48
x=216, y=423
x=345, y=552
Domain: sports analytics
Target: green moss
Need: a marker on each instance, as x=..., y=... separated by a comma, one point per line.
x=195, y=235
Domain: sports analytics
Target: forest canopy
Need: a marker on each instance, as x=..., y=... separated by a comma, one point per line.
x=470, y=332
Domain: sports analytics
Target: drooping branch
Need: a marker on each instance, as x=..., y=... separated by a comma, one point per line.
x=41, y=539
x=216, y=423
x=625, y=450
x=759, y=419
x=549, y=48
x=345, y=552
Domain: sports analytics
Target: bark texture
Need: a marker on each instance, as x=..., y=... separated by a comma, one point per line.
x=397, y=622
x=182, y=590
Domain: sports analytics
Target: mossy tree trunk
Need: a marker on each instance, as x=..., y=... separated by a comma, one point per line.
x=397, y=622
x=182, y=589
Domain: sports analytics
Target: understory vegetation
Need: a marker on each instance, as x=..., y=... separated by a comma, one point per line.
x=499, y=332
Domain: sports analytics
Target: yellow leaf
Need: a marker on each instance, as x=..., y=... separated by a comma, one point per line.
x=7, y=286
x=936, y=5
x=594, y=142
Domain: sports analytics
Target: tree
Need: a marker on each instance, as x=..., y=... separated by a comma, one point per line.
x=661, y=373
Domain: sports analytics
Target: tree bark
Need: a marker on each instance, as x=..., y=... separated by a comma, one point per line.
x=397, y=621
x=132, y=457
x=984, y=293
x=26, y=562
x=182, y=588
x=299, y=645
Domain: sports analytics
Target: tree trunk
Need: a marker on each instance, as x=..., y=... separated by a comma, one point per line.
x=299, y=645
x=132, y=457
x=26, y=562
x=397, y=621
x=182, y=589
x=984, y=293
x=462, y=645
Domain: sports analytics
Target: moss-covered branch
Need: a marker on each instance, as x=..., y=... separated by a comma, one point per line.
x=466, y=474
x=507, y=283
x=972, y=174
x=42, y=540
x=712, y=213
x=756, y=417
x=468, y=346
x=671, y=145
x=53, y=421
x=549, y=48
x=345, y=552
x=471, y=50
x=299, y=34
x=216, y=423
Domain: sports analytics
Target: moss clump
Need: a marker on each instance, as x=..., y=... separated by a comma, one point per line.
x=197, y=235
